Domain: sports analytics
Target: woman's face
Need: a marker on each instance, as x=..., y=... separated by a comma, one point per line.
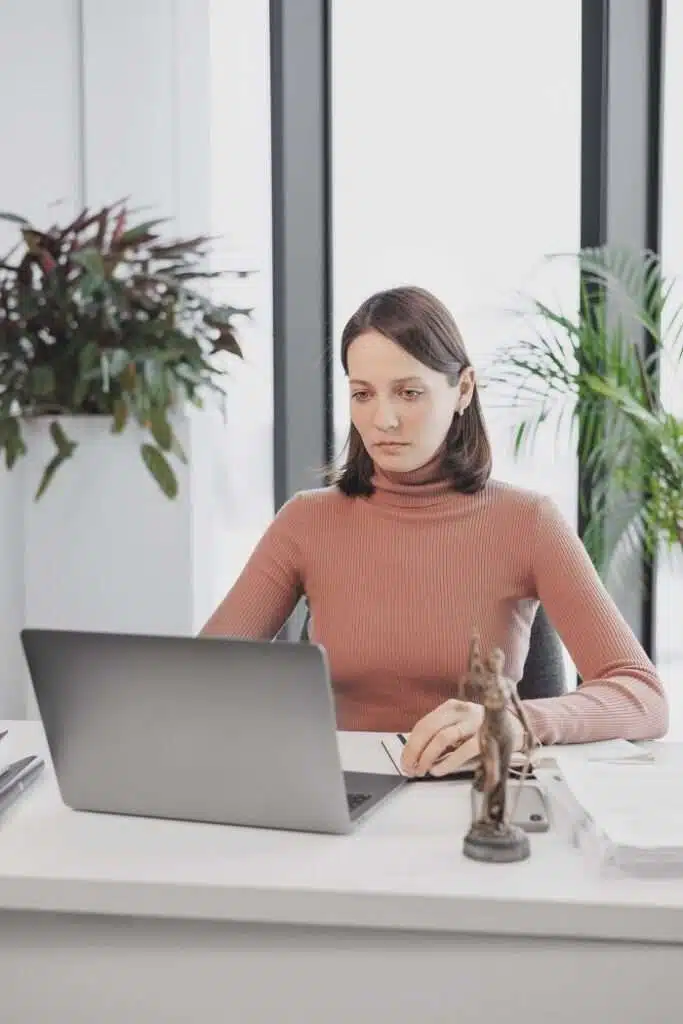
x=401, y=408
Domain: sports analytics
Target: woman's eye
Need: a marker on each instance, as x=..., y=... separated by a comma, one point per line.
x=359, y=396
x=411, y=394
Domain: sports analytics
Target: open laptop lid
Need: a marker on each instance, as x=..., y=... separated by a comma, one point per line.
x=224, y=730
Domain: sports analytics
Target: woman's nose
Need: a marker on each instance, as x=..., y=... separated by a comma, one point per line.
x=385, y=416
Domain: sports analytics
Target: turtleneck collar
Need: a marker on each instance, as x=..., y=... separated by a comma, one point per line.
x=422, y=487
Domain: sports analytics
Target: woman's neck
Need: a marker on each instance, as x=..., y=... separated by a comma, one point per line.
x=427, y=485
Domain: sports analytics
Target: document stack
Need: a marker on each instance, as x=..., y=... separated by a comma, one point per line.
x=627, y=813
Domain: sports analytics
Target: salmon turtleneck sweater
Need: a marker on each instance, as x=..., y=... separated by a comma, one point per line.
x=397, y=582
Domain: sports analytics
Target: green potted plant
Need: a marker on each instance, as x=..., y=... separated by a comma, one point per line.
x=104, y=317
x=595, y=369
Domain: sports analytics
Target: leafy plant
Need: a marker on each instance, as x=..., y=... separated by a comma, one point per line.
x=103, y=317
x=597, y=368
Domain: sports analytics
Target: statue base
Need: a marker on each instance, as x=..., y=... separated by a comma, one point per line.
x=496, y=844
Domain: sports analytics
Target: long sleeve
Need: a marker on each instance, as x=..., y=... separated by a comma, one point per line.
x=620, y=694
x=270, y=584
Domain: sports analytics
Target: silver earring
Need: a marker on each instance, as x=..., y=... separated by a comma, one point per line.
x=461, y=412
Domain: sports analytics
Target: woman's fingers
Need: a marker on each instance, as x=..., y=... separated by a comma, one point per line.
x=467, y=751
x=427, y=728
x=447, y=739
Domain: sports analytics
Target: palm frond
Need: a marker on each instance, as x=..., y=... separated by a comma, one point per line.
x=632, y=278
x=590, y=371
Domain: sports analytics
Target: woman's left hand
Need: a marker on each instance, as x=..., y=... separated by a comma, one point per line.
x=448, y=735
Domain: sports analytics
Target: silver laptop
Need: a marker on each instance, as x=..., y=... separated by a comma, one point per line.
x=237, y=732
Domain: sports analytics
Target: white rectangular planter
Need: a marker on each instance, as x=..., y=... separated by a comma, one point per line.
x=105, y=549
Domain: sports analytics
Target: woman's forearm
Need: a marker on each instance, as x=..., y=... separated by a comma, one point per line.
x=632, y=707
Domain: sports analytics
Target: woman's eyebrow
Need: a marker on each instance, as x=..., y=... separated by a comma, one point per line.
x=398, y=380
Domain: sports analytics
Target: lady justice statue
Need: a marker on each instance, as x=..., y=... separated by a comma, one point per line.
x=492, y=837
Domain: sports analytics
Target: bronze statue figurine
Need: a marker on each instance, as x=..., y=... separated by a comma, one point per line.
x=492, y=836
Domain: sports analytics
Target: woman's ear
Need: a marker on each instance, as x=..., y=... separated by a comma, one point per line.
x=466, y=388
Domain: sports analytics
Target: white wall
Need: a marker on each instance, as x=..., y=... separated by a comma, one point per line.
x=168, y=103
x=40, y=165
x=456, y=142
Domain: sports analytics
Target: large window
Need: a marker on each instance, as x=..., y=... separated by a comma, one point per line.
x=456, y=166
x=241, y=218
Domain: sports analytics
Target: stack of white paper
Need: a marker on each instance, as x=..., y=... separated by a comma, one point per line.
x=612, y=751
x=630, y=811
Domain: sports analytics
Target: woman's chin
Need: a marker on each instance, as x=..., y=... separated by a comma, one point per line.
x=396, y=458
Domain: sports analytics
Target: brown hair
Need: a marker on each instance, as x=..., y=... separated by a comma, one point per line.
x=417, y=321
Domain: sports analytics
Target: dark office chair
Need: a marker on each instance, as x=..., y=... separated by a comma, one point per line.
x=544, y=672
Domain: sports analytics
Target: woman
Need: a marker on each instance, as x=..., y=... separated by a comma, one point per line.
x=415, y=547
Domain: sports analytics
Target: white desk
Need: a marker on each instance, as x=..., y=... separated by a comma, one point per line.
x=107, y=920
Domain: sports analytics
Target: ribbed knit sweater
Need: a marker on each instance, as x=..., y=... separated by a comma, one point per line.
x=396, y=583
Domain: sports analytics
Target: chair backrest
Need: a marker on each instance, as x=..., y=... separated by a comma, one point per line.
x=544, y=670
